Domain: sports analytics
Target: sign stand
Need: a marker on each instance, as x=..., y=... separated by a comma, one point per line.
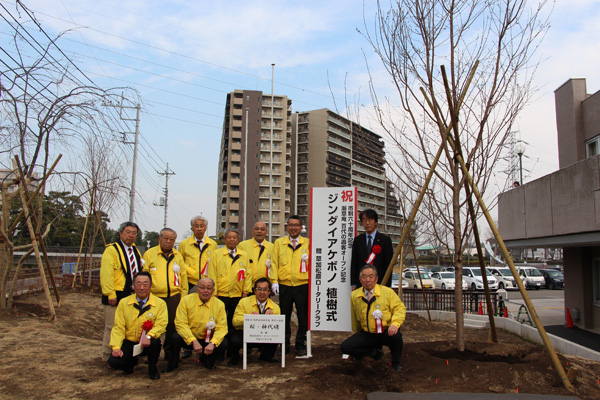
x=263, y=328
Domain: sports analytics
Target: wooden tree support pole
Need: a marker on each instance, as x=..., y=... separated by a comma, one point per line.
x=81, y=244
x=536, y=319
x=22, y=189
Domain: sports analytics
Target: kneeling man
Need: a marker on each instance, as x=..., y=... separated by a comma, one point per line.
x=139, y=318
x=377, y=314
x=201, y=325
x=260, y=303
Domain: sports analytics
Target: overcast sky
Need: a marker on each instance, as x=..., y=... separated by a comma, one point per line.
x=185, y=56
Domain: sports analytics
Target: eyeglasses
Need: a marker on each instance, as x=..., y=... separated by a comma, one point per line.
x=294, y=225
x=260, y=289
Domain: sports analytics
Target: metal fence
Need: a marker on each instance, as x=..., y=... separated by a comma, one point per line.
x=443, y=300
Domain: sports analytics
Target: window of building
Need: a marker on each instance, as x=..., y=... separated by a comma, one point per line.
x=592, y=147
x=596, y=280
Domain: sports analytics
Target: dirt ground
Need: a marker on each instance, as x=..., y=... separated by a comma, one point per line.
x=60, y=360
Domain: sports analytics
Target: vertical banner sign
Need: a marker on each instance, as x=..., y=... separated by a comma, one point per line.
x=332, y=231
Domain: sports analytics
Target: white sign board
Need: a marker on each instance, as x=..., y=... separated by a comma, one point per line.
x=332, y=231
x=263, y=328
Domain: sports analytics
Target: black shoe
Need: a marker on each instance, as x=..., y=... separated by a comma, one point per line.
x=376, y=354
x=209, y=365
x=300, y=352
x=186, y=354
x=154, y=375
x=168, y=368
x=234, y=359
x=128, y=371
x=397, y=367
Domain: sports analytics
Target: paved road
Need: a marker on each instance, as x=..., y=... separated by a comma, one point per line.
x=549, y=304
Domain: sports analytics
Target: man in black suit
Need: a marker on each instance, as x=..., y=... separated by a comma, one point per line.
x=362, y=249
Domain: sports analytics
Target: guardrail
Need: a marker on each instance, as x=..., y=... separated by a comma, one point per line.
x=443, y=300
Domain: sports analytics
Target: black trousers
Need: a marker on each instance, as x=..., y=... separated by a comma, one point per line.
x=236, y=342
x=290, y=296
x=177, y=343
x=172, y=303
x=362, y=343
x=230, y=305
x=128, y=361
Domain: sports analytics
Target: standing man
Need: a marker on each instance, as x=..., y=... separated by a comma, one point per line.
x=260, y=303
x=121, y=261
x=140, y=318
x=371, y=247
x=169, y=278
x=259, y=251
x=377, y=314
x=201, y=326
x=196, y=251
x=229, y=268
x=291, y=255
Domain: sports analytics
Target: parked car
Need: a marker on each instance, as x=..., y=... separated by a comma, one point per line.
x=413, y=280
x=446, y=280
x=396, y=281
x=504, y=277
x=554, y=278
x=473, y=278
x=436, y=268
x=532, y=277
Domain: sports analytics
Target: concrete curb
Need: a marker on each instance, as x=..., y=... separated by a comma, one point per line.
x=561, y=345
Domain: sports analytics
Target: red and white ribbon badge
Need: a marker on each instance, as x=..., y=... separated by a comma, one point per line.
x=377, y=314
x=241, y=275
x=374, y=251
x=203, y=272
x=210, y=327
x=303, y=263
x=176, y=270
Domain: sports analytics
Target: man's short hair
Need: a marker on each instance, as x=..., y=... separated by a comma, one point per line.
x=128, y=224
x=143, y=273
x=166, y=230
x=261, y=280
x=367, y=266
x=294, y=217
x=232, y=230
x=368, y=213
x=211, y=281
x=198, y=217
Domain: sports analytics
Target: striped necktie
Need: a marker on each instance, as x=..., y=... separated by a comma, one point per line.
x=132, y=263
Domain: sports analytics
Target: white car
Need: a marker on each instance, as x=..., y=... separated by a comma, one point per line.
x=532, y=277
x=473, y=278
x=414, y=282
x=504, y=277
x=396, y=281
x=446, y=280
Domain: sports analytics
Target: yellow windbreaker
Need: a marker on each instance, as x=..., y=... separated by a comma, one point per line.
x=193, y=315
x=384, y=299
x=128, y=321
x=162, y=269
x=258, y=264
x=226, y=272
x=288, y=262
x=191, y=255
x=248, y=305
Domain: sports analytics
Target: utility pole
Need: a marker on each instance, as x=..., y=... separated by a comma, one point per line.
x=135, y=149
x=271, y=157
x=164, y=200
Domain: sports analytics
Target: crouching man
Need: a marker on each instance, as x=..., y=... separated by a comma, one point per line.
x=377, y=314
x=201, y=325
x=260, y=303
x=139, y=318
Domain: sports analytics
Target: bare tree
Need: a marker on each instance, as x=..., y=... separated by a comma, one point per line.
x=413, y=39
x=45, y=107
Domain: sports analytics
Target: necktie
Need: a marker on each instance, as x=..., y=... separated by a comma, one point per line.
x=369, y=243
x=294, y=242
x=132, y=263
x=199, y=244
x=232, y=253
x=369, y=295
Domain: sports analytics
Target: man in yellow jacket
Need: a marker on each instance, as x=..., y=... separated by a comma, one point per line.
x=169, y=277
x=196, y=251
x=229, y=269
x=377, y=314
x=201, y=326
x=120, y=262
x=140, y=318
x=291, y=255
x=259, y=251
x=260, y=303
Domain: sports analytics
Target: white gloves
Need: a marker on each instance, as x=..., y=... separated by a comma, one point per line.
x=275, y=288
